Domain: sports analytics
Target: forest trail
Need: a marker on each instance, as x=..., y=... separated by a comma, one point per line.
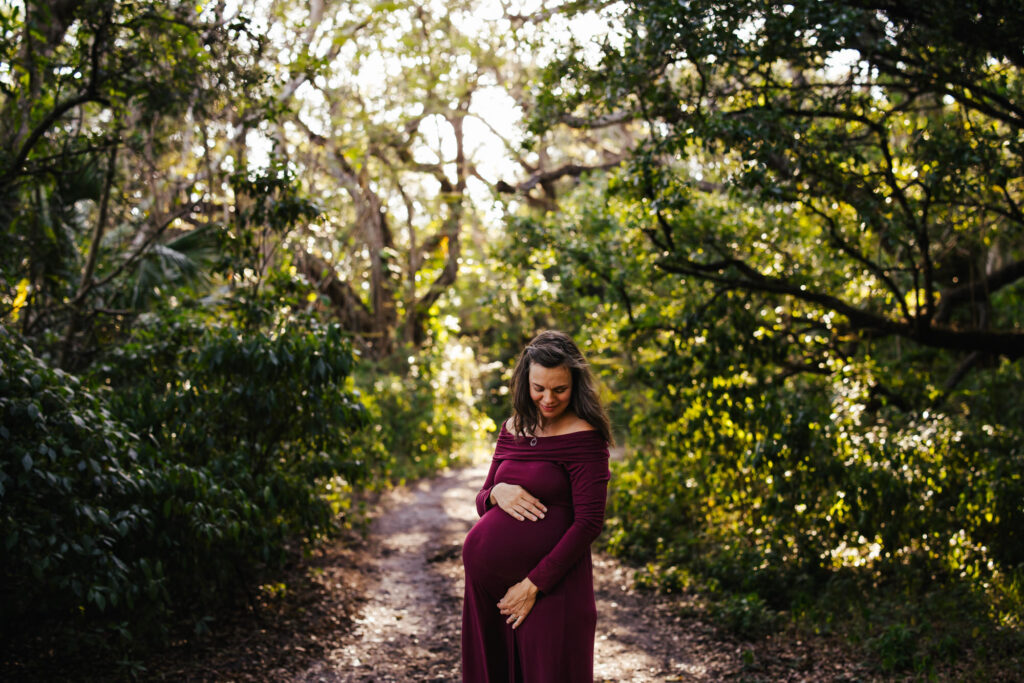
x=406, y=623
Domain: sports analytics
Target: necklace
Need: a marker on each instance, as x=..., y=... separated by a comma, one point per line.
x=548, y=426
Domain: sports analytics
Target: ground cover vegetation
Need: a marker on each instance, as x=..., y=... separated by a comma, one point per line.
x=261, y=259
x=803, y=288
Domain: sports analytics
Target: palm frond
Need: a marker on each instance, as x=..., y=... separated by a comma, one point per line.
x=182, y=261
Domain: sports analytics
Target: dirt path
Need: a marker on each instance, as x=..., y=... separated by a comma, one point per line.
x=407, y=625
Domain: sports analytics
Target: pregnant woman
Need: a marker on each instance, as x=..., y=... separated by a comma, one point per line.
x=529, y=614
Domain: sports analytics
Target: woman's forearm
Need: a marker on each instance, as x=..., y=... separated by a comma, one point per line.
x=589, y=482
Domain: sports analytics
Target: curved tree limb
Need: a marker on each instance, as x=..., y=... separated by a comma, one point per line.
x=602, y=121
x=859, y=256
x=571, y=169
x=41, y=128
x=977, y=290
x=1009, y=344
x=353, y=313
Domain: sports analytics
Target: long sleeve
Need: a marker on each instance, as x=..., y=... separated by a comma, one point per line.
x=483, y=498
x=589, y=484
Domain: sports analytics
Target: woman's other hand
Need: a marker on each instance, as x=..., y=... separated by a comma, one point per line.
x=517, y=501
x=518, y=602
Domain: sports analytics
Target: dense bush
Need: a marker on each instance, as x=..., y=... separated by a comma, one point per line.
x=774, y=496
x=801, y=479
x=76, y=502
x=199, y=467
x=248, y=427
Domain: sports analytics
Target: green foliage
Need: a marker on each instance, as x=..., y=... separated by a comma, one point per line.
x=775, y=491
x=76, y=502
x=896, y=647
x=142, y=247
x=101, y=105
x=770, y=479
x=747, y=616
x=247, y=427
x=815, y=273
x=201, y=465
x=421, y=415
x=778, y=490
x=865, y=192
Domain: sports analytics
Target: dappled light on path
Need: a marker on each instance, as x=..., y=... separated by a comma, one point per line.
x=408, y=627
x=407, y=623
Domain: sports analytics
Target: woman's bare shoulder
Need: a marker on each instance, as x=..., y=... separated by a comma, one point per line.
x=577, y=424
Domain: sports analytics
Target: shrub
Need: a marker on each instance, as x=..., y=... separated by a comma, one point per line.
x=247, y=427
x=200, y=463
x=772, y=493
x=421, y=414
x=76, y=502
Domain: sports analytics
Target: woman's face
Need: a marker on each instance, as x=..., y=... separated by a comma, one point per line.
x=550, y=390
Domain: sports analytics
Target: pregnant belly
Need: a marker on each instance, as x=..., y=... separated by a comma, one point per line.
x=503, y=549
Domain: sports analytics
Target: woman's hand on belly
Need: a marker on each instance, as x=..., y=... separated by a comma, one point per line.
x=518, y=601
x=517, y=502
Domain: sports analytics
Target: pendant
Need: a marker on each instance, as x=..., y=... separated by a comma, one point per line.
x=533, y=441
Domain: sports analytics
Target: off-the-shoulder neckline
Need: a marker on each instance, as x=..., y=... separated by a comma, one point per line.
x=550, y=436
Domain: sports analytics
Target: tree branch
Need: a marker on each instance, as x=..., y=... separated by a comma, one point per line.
x=541, y=177
x=354, y=314
x=603, y=121
x=858, y=256
x=1009, y=344
x=453, y=223
x=978, y=290
x=19, y=158
x=85, y=283
x=130, y=261
x=97, y=235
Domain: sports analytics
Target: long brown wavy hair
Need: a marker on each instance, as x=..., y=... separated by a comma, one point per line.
x=553, y=349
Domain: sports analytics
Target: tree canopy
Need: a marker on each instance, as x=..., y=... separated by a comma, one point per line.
x=889, y=132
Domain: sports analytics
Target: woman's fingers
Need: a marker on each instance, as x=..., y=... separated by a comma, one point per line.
x=529, y=506
x=530, y=512
x=515, y=616
x=532, y=506
x=532, y=502
x=517, y=602
x=518, y=511
x=517, y=501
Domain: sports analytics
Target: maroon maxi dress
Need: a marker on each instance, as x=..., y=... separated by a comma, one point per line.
x=569, y=474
